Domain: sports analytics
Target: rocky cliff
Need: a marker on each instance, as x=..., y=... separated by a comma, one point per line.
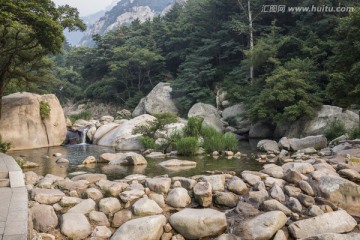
x=124, y=13
x=22, y=125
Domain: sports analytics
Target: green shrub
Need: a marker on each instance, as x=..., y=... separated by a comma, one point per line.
x=4, y=146
x=148, y=142
x=165, y=118
x=216, y=141
x=187, y=146
x=354, y=133
x=335, y=129
x=193, y=127
x=20, y=161
x=86, y=115
x=44, y=109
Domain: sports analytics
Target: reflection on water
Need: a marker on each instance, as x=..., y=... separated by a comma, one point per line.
x=77, y=153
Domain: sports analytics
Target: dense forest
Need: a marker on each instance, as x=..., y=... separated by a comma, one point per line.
x=282, y=65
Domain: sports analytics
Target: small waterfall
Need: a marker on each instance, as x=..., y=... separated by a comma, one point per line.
x=83, y=135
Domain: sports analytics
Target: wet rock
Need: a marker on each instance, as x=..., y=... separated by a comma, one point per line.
x=333, y=222
x=44, y=218
x=263, y=226
x=198, y=223
x=203, y=193
x=75, y=226
x=145, y=207
x=178, y=198
x=144, y=228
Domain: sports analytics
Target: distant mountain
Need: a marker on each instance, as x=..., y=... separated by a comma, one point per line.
x=123, y=13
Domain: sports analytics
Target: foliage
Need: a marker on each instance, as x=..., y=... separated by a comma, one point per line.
x=85, y=115
x=216, y=141
x=354, y=133
x=148, y=142
x=193, y=127
x=335, y=129
x=187, y=146
x=4, y=146
x=29, y=32
x=44, y=110
x=159, y=123
x=20, y=161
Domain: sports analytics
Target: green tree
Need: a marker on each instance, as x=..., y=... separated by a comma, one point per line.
x=29, y=31
x=287, y=94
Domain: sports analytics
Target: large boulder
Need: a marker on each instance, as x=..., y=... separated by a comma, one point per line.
x=144, y=228
x=261, y=130
x=21, y=123
x=157, y=101
x=209, y=114
x=236, y=117
x=264, y=226
x=269, y=146
x=198, y=223
x=332, y=222
x=317, y=125
x=317, y=142
x=339, y=191
x=102, y=130
x=122, y=137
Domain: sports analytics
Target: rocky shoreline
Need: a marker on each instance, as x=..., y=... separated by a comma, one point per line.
x=309, y=196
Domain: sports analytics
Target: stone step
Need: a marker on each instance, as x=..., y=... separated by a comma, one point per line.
x=4, y=182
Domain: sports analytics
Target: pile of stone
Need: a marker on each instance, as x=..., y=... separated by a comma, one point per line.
x=302, y=199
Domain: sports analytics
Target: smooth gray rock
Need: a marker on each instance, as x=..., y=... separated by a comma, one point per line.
x=198, y=223
x=75, y=226
x=178, y=198
x=44, y=218
x=317, y=142
x=145, y=207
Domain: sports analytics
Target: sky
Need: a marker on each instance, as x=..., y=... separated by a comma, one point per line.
x=85, y=7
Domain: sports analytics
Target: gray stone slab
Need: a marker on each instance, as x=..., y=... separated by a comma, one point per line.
x=16, y=179
x=15, y=237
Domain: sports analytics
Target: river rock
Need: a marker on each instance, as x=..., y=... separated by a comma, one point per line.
x=274, y=205
x=101, y=232
x=75, y=226
x=217, y=182
x=131, y=195
x=333, y=222
x=177, y=163
x=31, y=178
x=144, y=228
x=186, y=183
x=69, y=201
x=277, y=193
x=158, y=185
x=93, y=193
x=44, y=218
x=41, y=131
x=109, y=205
x=300, y=167
x=46, y=196
x=157, y=101
x=340, y=191
x=334, y=236
x=305, y=186
x=79, y=186
x=251, y=178
x=128, y=159
x=237, y=186
x=145, y=207
x=294, y=205
x=122, y=137
x=178, y=198
x=246, y=209
x=269, y=146
x=45, y=183
x=121, y=217
x=89, y=160
x=84, y=207
x=351, y=174
x=98, y=218
x=203, y=193
x=227, y=199
x=256, y=198
x=264, y=226
x=90, y=177
x=198, y=223
x=317, y=142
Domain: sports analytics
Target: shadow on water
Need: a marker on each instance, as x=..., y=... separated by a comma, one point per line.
x=77, y=153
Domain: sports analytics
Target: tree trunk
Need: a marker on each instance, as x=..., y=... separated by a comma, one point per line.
x=251, y=41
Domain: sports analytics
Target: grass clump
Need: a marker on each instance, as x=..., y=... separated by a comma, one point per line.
x=335, y=129
x=44, y=110
x=85, y=115
x=217, y=141
x=193, y=127
x=148, y=142
x=187, y=146
x=354, y=133
x=4, y=146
